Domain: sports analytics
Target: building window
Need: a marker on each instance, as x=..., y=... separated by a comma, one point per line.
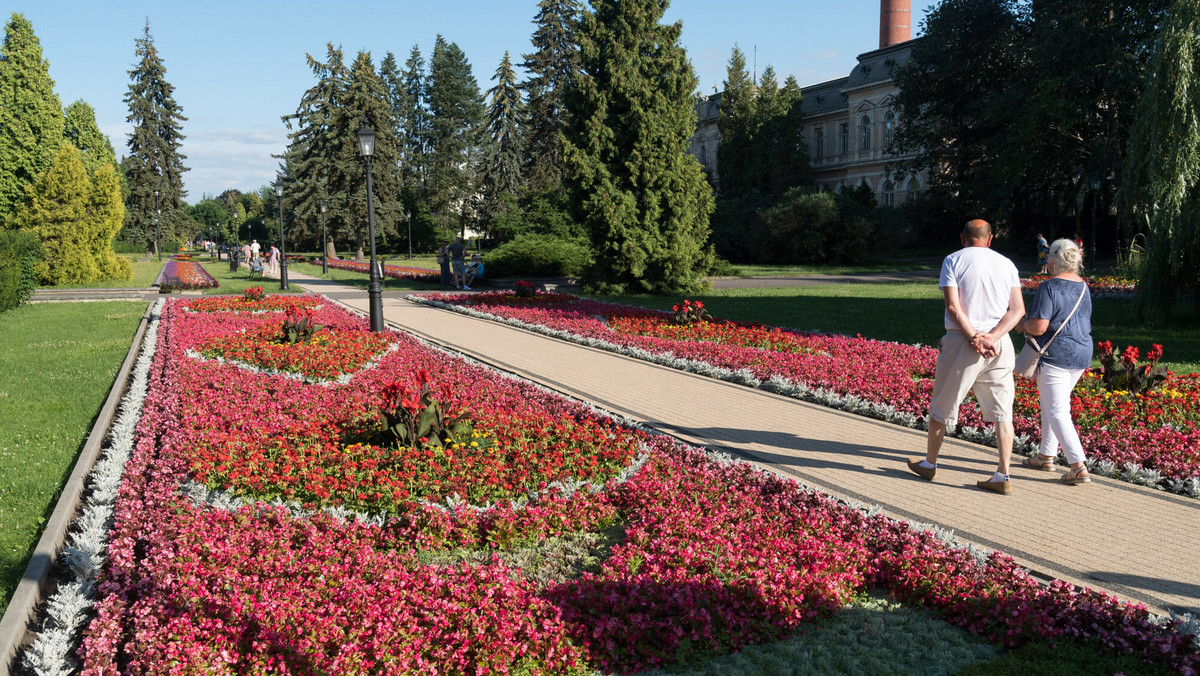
x=865, y=132
x=818, y=143
x=704, y=157
x=889, y=123
x=913, y=189
x=889, y=194
x=845, y=138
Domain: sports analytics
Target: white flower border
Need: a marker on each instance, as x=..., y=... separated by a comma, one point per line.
x=1023, y=444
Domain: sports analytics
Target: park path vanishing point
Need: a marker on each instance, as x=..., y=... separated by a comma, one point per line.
x=1135, y=542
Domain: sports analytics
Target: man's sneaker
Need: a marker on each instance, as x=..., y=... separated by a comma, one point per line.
x=926, y=473
x=1001, y=487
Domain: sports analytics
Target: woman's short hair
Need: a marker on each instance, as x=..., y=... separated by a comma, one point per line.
x=1066, y=256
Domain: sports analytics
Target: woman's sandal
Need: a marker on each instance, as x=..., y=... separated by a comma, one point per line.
x=1039, y=462
x=1076, y=477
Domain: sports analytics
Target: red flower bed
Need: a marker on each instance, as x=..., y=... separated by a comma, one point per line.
x=1118, y=287
x=277, y=303
x=1160, y=431
x=393, y=271
x=184, y=275
x=715, y=554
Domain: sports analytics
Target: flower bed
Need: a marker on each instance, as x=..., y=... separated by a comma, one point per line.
x=1159, y=431
x=184, y=274
x=205, y=577
x=393, y=271
x=1102, y=287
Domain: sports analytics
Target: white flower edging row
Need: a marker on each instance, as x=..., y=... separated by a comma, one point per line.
x=1131, y=472
x=84, y=554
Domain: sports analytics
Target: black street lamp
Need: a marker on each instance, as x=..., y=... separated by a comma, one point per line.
x=237, y=244
x=157, y=227
x=213, y=240
x=283, y=280
x=408, y=217
x=324, y=241
x=366, y=146
x=1095, y=195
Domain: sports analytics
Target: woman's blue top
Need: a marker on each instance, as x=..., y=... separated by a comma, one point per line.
x=1053, y=300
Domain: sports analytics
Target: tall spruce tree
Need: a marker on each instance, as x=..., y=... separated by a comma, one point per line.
x=551, y=67
x=31, y=117
x=413, y=124
x=505, y=123
x=643, y=197
x=82, y=131
x=1162, y=173
x=456, y=112
x=154, y=161
x=736, y=121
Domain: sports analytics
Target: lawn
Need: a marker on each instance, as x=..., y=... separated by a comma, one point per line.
x=57, y=364
x=911, y=312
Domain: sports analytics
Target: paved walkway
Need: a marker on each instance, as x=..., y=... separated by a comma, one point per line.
x=1132, y=541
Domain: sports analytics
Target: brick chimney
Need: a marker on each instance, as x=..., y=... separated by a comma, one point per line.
x=894, y=22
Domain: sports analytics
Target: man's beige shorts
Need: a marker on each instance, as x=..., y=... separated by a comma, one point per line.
x=960, y=368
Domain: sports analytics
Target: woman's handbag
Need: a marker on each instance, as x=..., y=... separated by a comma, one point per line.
x=1031, y=355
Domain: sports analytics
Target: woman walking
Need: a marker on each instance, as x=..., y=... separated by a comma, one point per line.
x=1059, y=318
x=273, y=261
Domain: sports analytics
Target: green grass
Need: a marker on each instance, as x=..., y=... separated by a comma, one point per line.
x=754, y=270
x=57, y=364
x=911, y=312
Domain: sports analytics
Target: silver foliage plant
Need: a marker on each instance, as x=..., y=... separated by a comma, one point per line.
x=68, y=610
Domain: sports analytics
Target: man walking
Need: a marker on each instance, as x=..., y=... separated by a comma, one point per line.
x=982, y=291
x=460, y=267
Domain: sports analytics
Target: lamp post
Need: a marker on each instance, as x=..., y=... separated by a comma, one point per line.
x=283, y=280
x=157, y=227
x=1095, y=198
x=212, y=240
x=237, y=244
x=366, y=146
x=324, y=241
x=408, y=217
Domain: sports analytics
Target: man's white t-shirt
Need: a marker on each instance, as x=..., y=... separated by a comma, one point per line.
x=984, y=280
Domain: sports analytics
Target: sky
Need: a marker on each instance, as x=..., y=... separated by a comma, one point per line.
x=238, y=67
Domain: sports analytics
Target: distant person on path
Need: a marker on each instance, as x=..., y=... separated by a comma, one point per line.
x=443, y=259
x=246, y=254
x=475, y=269
x=458, y=263
x=1043, y=249
x=982, y=292
x=1065, y=359
x=254, y=249
x=273, y=260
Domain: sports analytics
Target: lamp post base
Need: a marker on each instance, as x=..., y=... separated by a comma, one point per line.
x=375, y=294
x=283, y=282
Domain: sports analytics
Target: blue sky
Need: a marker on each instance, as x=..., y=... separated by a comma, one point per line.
x=237, y=67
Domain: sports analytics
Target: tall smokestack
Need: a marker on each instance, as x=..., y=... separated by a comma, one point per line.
x=894, y=22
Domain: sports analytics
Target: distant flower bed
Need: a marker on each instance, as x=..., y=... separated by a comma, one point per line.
x=1116, y=287
x=1158, y=431
x=234, y=548
x=179, y=274
x=393, y=271
x=247, y=304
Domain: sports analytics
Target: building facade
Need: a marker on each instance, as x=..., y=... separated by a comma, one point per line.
x=848, y=122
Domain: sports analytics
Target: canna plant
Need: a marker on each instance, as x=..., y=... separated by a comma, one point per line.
x=299, y=325
x=254, y=293
x=413, y=416
x=1120, y=371
x=690, y=313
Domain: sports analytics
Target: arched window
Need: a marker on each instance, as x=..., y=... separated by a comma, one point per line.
x=818, y=143
x=913, y=189
x=865, y=132
x=704, y=157
x=889, y=124
x=845, y=138
x=889, y=194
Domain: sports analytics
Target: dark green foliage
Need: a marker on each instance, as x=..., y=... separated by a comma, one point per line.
x=506, y=147
x=1162, y=173
x=412, y=122
x=20, y=253
x=81, y=130
x=547, y=212
x=154, y=167
x=532, y=255
x=817, y=227
x=738, y=231
x=642, y=196
x=457, y=112
x=31, y=117
x=1065, y=657
x=552, y=67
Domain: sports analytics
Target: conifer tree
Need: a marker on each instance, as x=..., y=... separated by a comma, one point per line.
x=154, y=161
x=1162, y=173
x=82, y=131
x=642, y=196
x=506, y=118
x=31, y=118
x=736, y=121
x=551, y=67
x=413, y=124
x=456, y=111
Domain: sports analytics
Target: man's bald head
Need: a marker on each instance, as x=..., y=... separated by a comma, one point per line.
x=977, y=232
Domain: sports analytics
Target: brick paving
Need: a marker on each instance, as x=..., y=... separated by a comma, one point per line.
x=1135, y=542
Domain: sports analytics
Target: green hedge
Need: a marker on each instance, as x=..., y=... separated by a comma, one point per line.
x=539, y=256
x=19, y=254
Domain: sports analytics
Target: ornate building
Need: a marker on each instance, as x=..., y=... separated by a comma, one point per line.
x=848, y=122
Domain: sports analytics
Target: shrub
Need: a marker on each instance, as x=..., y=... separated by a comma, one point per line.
x=539, y=256
x=20, y=252
x=817, y=227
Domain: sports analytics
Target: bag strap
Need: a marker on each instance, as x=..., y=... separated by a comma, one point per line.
x=1042, y=350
